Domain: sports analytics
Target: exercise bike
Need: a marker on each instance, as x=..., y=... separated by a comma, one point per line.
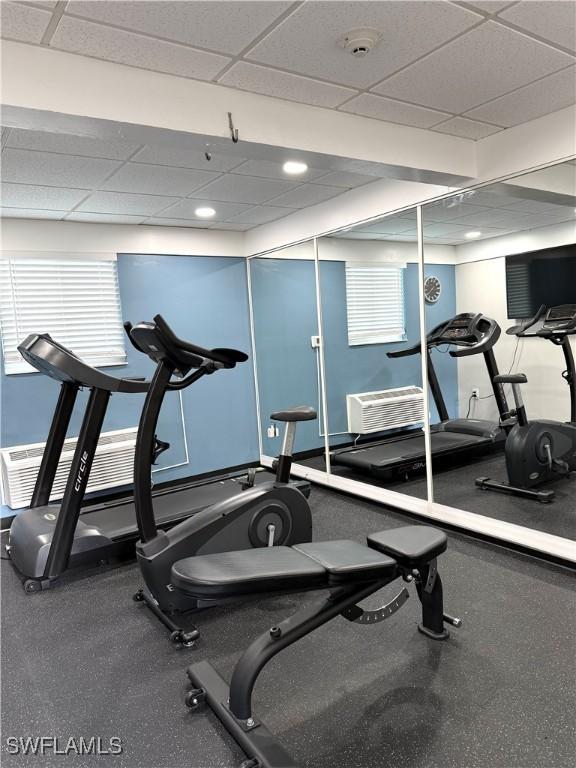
x=541, y=450
x=267, y=514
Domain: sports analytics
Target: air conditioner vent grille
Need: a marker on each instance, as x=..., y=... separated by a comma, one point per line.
x=386, y=409
x=113, y=466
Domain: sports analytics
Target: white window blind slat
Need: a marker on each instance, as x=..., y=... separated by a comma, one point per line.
x=375, y=303
x=75, y=300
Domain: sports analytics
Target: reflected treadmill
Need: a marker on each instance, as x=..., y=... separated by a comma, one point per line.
x=403, y=455
x=70, y=533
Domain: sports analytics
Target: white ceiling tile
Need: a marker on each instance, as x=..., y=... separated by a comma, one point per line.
x=185, y=209
x=28, y=167
x=391, y=226
x=30, y=213
x=261, y=214
x=489, y=6
x=346, y=179
x=244, y=189
x=482, y=64
x=468, y=129
x=273, y=170
x=158, y=180
x=443, y=230
x=308, y=194
x=221, y=26
x=554, y=21
x=547, y=95
x=487, y=219
x=370, y=105
x=283, y=85
x=119, y=202
x=50, y=4
x=441, y=212
x=88, y=39
x=161, y=222
x=33, y=196
x=22, y=22
x=534, y=206
x=187, y=158
x=67, y=144
x=307, y=41
x=235, y=226
x=105, y=218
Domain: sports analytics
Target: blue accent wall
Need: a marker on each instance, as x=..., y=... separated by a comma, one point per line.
x=206, y=301
x=284, y=301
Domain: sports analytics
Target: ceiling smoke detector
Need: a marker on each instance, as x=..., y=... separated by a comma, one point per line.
x=359, y=42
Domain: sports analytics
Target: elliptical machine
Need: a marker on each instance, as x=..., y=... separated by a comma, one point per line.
x=542, y=450
x=268, y=514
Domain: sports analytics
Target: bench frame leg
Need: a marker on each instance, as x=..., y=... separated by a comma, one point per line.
x=233, y=704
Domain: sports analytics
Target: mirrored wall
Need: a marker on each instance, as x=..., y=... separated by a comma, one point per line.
x=513, y=276
x=337, y=325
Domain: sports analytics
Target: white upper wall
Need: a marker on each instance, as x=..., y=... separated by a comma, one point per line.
x=519, y=242
x=76, y=237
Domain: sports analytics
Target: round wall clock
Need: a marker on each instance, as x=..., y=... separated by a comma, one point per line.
x=432, y=289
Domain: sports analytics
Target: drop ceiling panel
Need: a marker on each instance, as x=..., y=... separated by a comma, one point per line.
x=244, y=189
x=392, y=226
x=105, y=218
x=22, y=22
x=347, y=179
x=490, y=6
x=441, y=212
x=187, y=158
x=270, y=170
x=261, y=214
x=236, y=226
x=220, y=26
x=554, y=21
x=158, y=180
x=80, y=36
x=69, y=145
x=184, y=209
x=308, y=194
x=31, y=213
x=119, y=202
x=481, y=65
x=444, y=230
x=468, y=129
x=283, y=85
x=306, y=42
x=540, y=98
x=47, y=198
x=29, y=167
x=370, y=105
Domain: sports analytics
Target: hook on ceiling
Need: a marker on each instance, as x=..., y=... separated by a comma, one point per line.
x=233, y=131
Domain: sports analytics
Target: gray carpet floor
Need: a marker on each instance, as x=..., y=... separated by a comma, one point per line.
x=84, y=660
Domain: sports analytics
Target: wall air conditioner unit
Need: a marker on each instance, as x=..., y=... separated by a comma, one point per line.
x=386, y=409
x=113, y=466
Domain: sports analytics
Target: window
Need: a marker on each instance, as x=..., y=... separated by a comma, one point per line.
x=75, y=300
x=375, y=303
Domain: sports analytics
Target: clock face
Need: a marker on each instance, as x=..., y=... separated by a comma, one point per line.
x=432, y=289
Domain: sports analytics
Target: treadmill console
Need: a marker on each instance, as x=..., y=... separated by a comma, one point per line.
x=474, y=333
x=549, y=322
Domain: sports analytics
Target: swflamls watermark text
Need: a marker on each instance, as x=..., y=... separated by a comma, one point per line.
x=57, y=745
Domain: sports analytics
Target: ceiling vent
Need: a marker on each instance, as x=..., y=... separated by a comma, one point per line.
x=359, y=42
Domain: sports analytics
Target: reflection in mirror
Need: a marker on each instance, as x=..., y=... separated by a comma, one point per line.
x=283, y=286
x=370, y=319
x=513, y=258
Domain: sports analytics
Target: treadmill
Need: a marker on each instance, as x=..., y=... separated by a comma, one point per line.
x=400, y=456
x=48, y=538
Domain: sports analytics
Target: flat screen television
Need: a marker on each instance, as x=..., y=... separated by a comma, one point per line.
x=540, y=277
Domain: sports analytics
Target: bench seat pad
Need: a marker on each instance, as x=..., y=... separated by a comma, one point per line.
x=275, y=569
x=411, y=546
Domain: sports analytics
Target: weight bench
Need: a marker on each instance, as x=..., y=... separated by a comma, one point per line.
x=350, y=570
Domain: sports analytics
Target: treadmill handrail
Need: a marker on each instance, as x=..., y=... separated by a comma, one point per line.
x=41, y=347
x=227, y=357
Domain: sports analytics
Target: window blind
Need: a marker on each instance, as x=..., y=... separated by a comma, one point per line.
x=77, y=301
x=375, y=303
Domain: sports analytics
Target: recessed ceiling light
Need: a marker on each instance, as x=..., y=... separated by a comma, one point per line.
x=294, y=167
x=472, y=235
x=205, y=213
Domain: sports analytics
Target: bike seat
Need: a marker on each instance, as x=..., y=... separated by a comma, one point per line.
x=514, y=378
x=298, y=413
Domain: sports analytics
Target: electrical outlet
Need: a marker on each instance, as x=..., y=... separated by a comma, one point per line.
x=272, y=431
x=476, y=392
